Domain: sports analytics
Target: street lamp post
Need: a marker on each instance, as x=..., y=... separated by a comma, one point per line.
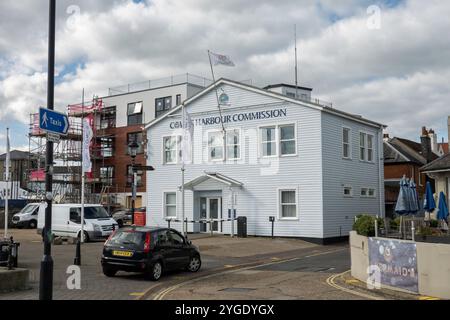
x=46, y=272
x=133, y=152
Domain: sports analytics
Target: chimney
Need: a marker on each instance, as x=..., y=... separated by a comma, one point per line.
x=386, y=137
x=425, y=142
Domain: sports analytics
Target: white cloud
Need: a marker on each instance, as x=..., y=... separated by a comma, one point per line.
x=396, y=75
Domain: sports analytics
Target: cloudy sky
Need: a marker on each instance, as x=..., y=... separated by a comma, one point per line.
x=394, y=69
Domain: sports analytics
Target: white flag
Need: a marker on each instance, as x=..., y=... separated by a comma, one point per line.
x=88, y=134
x=221, y=59
x=188, y=134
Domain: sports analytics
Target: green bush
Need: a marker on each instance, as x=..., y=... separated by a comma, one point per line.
x=365, y=225
x=394, y=224
x=434, y=223
x=425, y=231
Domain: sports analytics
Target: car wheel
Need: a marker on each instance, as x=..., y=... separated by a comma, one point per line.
x=86, y=236
x=32, y=224
x=109, y=272
x=195, y=264
x=155, y=272
x=120, y=223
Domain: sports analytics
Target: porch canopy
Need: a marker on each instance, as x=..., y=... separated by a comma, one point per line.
x=214, y=176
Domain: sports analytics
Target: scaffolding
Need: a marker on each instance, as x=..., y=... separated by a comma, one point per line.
x=68, y=158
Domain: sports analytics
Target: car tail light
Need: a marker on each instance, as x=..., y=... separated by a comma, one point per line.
x=147, y=243
x=110, y=237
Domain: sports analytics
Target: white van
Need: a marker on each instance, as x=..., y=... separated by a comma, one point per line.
x=66, y=221
x=27, y=217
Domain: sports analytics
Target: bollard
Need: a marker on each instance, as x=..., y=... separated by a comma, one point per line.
x=272, y=219
x=413, y=231
x=186, y=222
x=376, y=227
x=168, y=223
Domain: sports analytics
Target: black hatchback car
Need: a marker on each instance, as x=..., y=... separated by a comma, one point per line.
x=151, y=251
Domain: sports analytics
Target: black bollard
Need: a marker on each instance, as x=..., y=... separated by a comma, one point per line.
x=77, y=260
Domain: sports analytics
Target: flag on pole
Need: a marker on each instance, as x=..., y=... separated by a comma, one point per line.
x=8, y=164
x=88, y=134
x=188, y=135
x=221, y=59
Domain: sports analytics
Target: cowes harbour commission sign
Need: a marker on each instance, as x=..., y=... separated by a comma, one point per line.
x=234, y=118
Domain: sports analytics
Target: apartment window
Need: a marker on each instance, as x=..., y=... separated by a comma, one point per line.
x=170, y=204
x=107, y=175
x=170, y=150
x=371, y=193
x=107, y=147
x=234, y=144
x=368, y=193
x=108, y=118
x=178, y=99
x=162, y=105
x=346, y=143
x=269, y=141
x=137, y=137
x=215, y=146
x=135, y=113
x=288, y=204
x=362, y=146
x=287, y=140
x=130, y=174
x=366, y=142
x=348, y=191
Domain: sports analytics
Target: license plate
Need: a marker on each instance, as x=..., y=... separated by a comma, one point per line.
x=122, y=254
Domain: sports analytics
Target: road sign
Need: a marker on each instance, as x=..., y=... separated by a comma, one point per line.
x=53, y=122
x=52, y=137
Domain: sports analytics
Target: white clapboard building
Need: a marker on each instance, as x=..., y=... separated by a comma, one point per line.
x=311, y=167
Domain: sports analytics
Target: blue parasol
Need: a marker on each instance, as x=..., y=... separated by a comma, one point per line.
x=443, y=208
x=429, y=204
x=403, y=203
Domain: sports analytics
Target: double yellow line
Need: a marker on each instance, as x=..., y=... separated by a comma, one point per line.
x=330, y=282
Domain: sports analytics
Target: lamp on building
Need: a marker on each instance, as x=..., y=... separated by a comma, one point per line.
x=133, y=147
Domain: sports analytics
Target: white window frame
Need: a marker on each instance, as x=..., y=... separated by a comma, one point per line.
x=177, y=151
x=347, y=186
x=366, y=147
x=374, y=193
x=280, y=205
x=277, y=140
x=280, y=141
x=349, y=143
x=364, y=195
x=164, y=204
x=209, y=147
x=239, y=133
x=362, y=141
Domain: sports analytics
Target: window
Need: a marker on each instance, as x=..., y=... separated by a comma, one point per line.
x=364, y=192
x=234, y=144
x=107, y=175
x=369, y=148
x=106, y=147
x=138, y=137
x=75, y=215
x=371, y=193
x=348, y=191
x=170, y=150
x=287, y=140
x=170, y=204
x=162, y=105
x=108, y=118
x=366, y=142
x=288, y=204
x=362, y=146
x=269, y=142
x=290, y=94
x=130, y=174
x=178, y=99
x=346, y=143
x=215, y=146
x=135, y=113
x=176, y=238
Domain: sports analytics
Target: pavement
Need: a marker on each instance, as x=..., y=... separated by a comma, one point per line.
x=232, y=269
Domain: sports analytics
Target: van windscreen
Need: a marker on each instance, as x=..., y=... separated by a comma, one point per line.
x=93, y=213
x=29, y=208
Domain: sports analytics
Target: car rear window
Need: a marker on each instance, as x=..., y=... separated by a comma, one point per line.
x=128, y=239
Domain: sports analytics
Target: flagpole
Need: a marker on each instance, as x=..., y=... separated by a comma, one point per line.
x=220, y=109
x=83, y=174
x=296, y=63
x=183, y=169
x=8, y=160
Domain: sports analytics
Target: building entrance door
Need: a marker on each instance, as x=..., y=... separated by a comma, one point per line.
x=211, y=214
